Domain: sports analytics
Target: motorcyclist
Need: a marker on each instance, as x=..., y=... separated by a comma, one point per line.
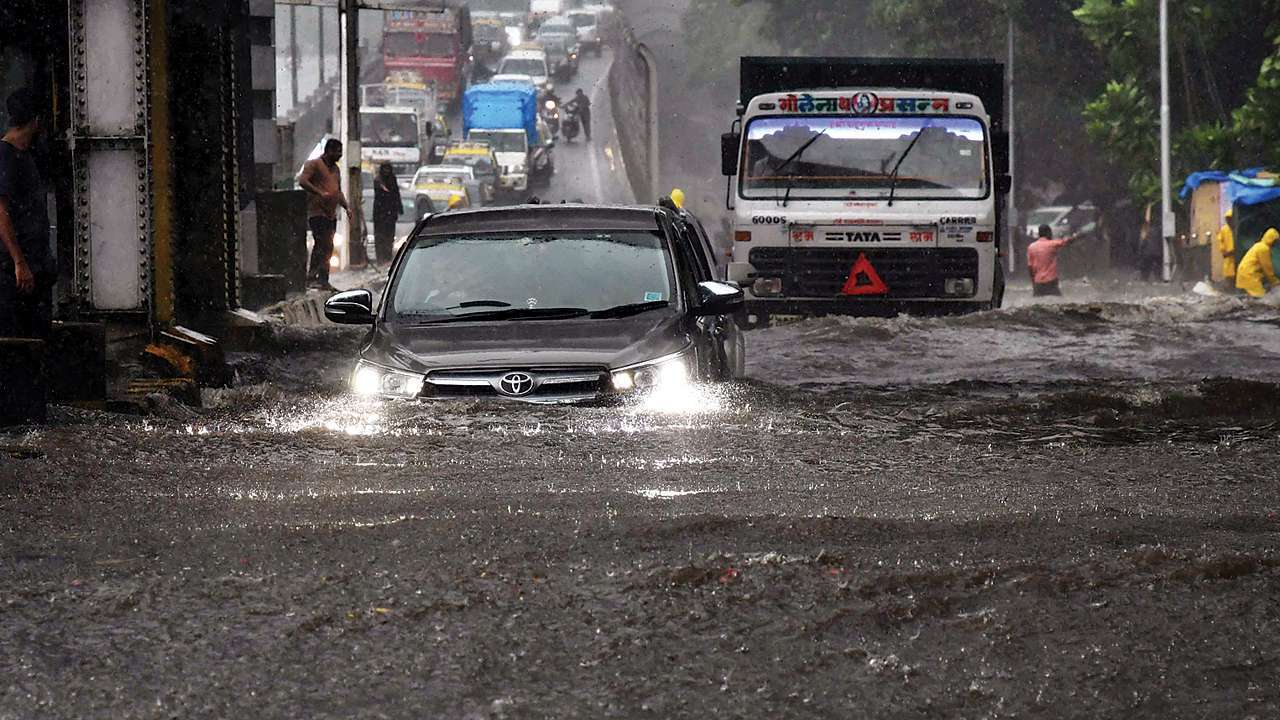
x=581, y=104
x=550, y=110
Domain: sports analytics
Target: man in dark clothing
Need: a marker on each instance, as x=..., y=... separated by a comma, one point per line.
x=582, y=104
x=26, y=268
x=387, y=209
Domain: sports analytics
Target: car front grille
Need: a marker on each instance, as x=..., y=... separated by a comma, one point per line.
x=823, y=272
x=547, y=385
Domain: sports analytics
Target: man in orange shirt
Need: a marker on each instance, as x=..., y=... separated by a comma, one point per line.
x=1042, y=260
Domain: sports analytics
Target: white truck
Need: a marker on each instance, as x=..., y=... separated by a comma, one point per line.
x=396, y=127
x=391, y=134
x=867, y=186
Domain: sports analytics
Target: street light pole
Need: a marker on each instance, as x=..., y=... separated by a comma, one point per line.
x=293, y=53
x=349, y=121
x=1167, y=220
x=1012, y=247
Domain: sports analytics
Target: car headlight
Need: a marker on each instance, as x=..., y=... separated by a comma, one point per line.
x=671, y=371
x=371, y=380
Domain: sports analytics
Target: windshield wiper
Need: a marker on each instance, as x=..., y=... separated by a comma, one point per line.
x=480, y=303
x=632, y=309
x=794, y=156
x=513, y=314
x=893, y=177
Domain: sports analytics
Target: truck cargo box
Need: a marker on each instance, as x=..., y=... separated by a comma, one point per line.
x=983, y=78
x=502, y=106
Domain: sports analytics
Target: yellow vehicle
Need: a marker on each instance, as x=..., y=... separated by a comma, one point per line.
x=439, y=188
x=480, y=158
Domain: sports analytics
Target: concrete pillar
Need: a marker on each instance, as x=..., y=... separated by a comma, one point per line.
x=22, y=378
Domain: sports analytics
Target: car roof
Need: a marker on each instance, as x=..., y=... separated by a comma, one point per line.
x=517, y=78
x=445, y=169
x=527, y=54
x=545, y=217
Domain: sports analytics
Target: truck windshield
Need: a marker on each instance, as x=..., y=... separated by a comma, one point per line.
x=388, y=130
x=503, y=142
x=450, y=277
x=411, y=44
x=855, y=157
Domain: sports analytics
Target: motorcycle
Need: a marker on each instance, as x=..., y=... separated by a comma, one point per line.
x=551, y=114
x=570, y=126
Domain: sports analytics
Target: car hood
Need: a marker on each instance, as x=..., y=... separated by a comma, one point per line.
x=512, y=159
x=528, y=343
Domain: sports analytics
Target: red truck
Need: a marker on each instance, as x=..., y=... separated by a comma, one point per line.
x=434, y=44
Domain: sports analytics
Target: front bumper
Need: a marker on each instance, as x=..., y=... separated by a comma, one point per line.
x=860, y=307
x=515, y=181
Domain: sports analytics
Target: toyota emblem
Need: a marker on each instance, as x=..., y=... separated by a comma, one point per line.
x=516, y=384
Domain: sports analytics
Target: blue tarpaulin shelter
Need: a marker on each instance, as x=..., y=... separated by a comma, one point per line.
x=1244, y=187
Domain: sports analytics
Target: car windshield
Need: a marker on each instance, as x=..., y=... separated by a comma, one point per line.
x=583, y=19
x=439, y=177
x=555, y=45
x=559, y=28
x=523, y=66
x=446, y=277
x=945, y=157
x=411, y=44
x=500, y=6
x=1044, y=217
x=388, y=130
x=480, y=163
x=513, y=142
x=488, y=32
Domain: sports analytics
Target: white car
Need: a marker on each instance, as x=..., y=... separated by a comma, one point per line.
x=529, y=62
x=1062, y=219
x=587, y=24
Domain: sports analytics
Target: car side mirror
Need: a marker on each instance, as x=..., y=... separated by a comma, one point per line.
x=729, y=143
x=718, y=298
x=1004, y=184
x=354, y=307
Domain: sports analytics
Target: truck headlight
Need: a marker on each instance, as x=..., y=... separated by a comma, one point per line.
x=371, y=380
x=961, y=287
x=671, y=371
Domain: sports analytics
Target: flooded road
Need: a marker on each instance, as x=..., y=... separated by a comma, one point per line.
x=1050, y=511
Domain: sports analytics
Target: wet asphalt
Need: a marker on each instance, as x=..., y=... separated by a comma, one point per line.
x=1047, y=511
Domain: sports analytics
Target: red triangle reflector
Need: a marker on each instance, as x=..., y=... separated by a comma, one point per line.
x=864, y=280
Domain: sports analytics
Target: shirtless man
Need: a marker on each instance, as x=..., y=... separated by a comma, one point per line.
x=321, y=179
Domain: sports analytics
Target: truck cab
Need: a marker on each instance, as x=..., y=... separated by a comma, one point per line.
x=434, y=43
x=391, y=135
x=866, y=198
x=505, y=116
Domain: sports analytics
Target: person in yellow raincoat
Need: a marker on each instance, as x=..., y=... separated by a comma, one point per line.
x=1227, y=248
x=1256, y=273
x=677, y=197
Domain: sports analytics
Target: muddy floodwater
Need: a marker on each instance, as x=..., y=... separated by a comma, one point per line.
x=1053, y=510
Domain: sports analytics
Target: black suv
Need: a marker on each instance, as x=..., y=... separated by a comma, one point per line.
x=547, y=303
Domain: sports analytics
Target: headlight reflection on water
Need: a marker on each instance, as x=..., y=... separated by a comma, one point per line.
x=347, y=416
